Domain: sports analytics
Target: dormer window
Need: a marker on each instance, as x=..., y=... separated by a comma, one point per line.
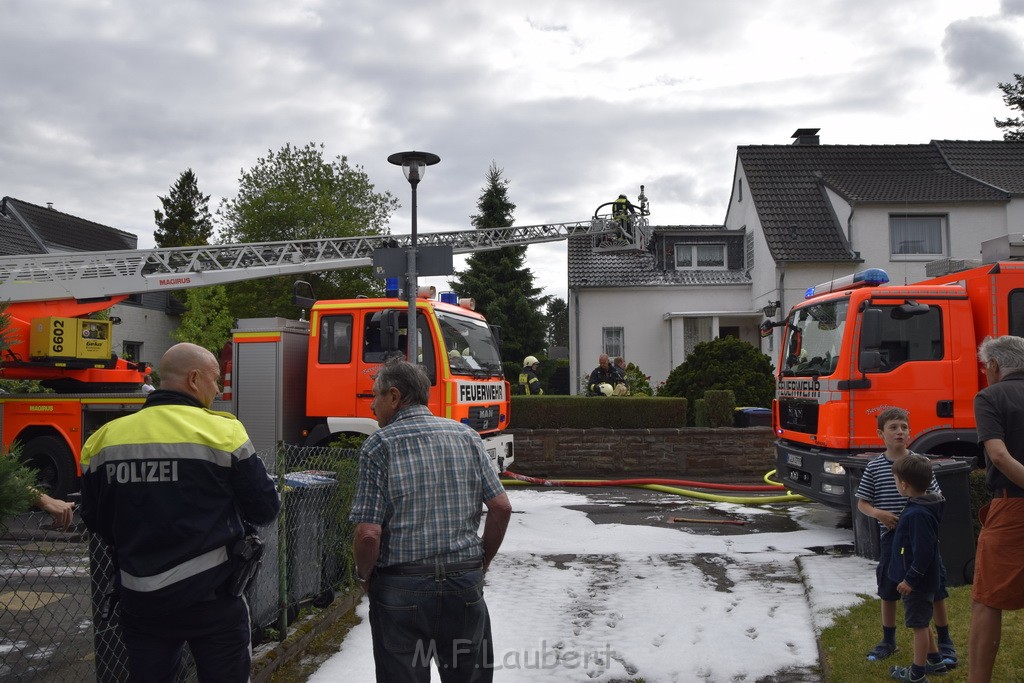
x=700, y=257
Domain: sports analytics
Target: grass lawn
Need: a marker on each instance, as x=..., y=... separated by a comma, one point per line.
x=844, y=646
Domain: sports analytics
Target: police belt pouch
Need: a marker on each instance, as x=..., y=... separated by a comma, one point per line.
x=248, y=555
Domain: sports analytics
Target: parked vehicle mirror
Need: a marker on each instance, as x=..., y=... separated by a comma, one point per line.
x=909, y=310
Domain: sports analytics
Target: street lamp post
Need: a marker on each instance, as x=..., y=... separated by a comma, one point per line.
x=414, y=166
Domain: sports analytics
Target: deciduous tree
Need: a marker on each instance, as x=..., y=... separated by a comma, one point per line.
x=208, y=318
x=295, y=194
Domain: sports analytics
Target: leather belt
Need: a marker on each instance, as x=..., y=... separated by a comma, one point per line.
x=441, y=569
x=1008, y=493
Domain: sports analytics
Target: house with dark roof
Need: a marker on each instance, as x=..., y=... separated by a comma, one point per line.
x=146, y=319
x=804, y=213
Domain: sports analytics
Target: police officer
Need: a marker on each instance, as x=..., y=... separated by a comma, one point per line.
x=528, y=382
x=169, y=488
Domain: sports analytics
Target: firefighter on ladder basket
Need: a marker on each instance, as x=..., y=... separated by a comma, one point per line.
x=623, y=212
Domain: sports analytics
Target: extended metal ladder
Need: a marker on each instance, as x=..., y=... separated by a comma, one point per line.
x=86, y=275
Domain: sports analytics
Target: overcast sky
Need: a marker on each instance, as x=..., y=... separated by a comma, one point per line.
x=105, y=103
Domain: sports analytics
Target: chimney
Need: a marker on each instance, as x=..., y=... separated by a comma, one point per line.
x=806, y=136
x=49, y=205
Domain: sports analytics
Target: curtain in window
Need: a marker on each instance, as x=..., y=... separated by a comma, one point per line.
x=695, y=331
x=915, y=235
x=614, y=341
x=710, y=256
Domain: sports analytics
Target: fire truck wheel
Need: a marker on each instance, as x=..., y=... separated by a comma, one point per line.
x=55, y=465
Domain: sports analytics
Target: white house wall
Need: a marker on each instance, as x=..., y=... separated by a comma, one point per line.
x=149, y=326
x=968, y=226
x=652, y=342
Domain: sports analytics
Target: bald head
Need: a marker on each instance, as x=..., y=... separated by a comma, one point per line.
x=192, y=370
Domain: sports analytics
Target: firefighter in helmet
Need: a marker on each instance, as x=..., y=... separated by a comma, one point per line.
x=528, y=382
x=623, y=211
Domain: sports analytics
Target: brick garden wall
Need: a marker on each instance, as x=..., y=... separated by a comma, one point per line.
x=672, y=453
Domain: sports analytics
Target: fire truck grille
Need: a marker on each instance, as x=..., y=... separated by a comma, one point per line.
x=799, y=416
x=484, y=418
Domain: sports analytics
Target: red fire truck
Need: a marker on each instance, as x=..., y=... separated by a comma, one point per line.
x=292, y=381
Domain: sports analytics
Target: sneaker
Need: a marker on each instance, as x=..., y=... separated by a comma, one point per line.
x=936, y=667
x=904, y=673
x=948, y=652
x=881, y=651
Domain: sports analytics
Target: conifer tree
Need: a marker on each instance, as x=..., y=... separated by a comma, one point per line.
x=499, y=281
x=185, y=220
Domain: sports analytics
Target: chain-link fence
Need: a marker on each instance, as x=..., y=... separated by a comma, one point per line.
x=53, y=583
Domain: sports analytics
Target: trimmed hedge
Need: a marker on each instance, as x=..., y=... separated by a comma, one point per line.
x=585, y=412
x=720, y=407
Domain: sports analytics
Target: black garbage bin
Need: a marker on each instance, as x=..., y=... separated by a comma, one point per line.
x=306, y=523
x=956, y=532
x=753, y=417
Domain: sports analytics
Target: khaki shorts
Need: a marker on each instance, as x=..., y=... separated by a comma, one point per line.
x=999, y=559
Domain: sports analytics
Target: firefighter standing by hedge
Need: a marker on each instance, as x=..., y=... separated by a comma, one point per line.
x=529, y=384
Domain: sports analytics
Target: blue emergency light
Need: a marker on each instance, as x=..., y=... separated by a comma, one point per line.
x=391, y=287
x=450, y=298
x=872, y=277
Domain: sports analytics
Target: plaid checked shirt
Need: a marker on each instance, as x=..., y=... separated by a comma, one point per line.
x=423, y=479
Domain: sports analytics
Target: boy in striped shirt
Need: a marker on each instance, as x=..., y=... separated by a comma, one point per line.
x=879, y=498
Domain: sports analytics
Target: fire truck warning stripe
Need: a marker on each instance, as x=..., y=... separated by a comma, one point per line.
x=246, y=337
x=185, y=570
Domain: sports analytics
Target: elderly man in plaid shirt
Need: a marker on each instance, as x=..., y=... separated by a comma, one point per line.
x=422, y=480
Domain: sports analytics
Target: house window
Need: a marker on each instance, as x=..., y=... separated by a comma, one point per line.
x=700, y=256
x=614, y=341
x=748, y=248
x=131, y=350
x=917, y=237
x=740, y=190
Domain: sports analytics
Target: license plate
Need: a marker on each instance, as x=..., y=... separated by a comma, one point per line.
x=794, y=460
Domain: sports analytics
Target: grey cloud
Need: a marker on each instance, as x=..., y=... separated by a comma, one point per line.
x=1012, y=8
x=980, y=53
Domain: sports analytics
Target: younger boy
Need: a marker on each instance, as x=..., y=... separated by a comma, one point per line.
x=879, y=498
x=916, y=565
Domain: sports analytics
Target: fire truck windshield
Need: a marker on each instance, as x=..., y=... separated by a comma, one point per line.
x=470, y=346
x=813, y=338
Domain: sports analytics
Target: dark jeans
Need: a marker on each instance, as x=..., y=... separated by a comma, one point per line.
x=217, y=633
x=414, y=619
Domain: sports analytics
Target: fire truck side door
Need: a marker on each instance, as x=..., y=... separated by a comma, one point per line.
x=909, y=368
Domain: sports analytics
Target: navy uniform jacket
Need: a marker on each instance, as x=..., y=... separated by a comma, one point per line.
x=168, y=487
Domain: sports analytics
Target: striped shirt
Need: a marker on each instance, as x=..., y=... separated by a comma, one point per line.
x=423, y=479
x=878, y=487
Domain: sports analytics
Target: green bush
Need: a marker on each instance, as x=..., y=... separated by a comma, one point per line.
x=980, y=495
x=700, y=413
x=720, y=405
x=723, y=363
x=585, y=412
x=639, y=384
x=16, y=481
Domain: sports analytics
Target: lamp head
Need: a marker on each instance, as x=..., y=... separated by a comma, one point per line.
x=414, y=164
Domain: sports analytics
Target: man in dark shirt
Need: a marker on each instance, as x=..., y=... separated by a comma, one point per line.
x=999, y=560
x=604, y=373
